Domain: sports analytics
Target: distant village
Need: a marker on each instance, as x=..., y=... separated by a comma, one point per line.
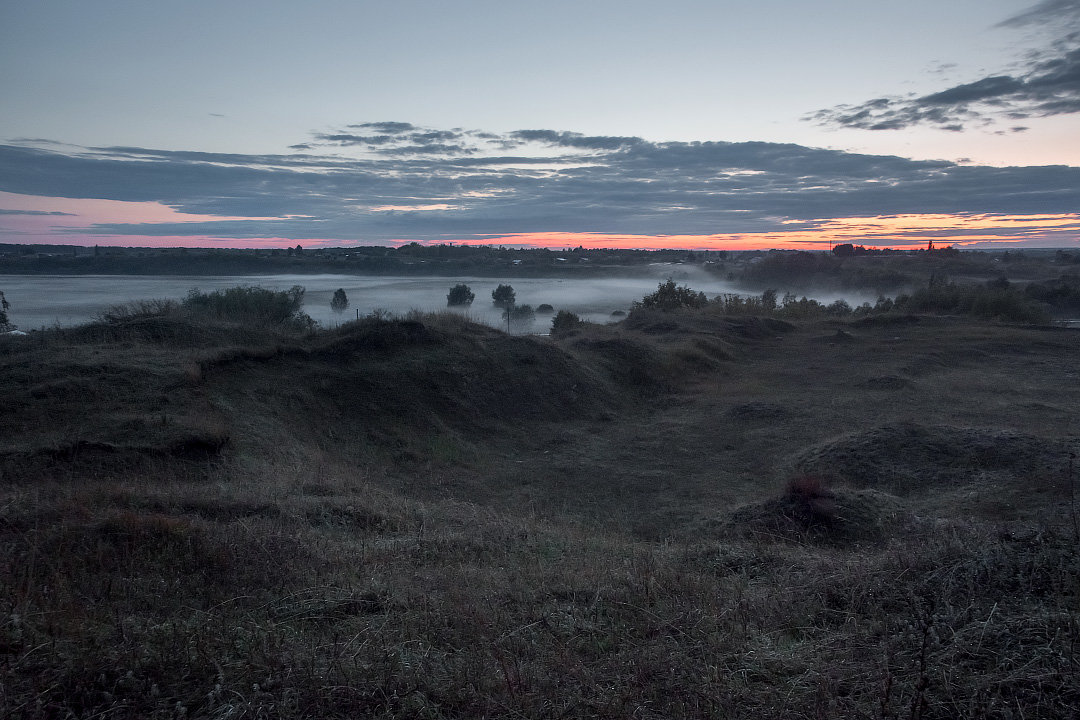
x=409, y=259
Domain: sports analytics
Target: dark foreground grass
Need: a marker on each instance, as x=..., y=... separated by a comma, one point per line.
x=312, y=610
x=324, y=562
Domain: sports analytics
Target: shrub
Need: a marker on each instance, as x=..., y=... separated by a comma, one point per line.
x=152, y=308
x=669, y=296
x=4, y=305
x=249, y=304
x=1061, y=296
x=521, y=315
x=991, y=300
x=839, y=308
x=503, y=296
x=813, y=502
x=460, y=294
x=564, y=323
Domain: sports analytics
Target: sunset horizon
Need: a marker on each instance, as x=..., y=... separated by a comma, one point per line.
x=741, y=128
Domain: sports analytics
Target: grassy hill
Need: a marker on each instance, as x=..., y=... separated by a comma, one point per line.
x=688, y=514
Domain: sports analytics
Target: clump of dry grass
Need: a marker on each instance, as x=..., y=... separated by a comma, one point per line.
x=813, y=502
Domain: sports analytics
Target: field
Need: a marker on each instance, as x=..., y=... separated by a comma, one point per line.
x=687, y=514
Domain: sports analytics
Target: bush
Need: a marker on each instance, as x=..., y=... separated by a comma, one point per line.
x=668, y=296
x=460, y=294
x=990, y=300
x=520, y=315
x=813, y=502
x=564, y=323
x=152, y=308
x=249, y=304
x=1061, y=296
x=545, y=309
x=4, y=305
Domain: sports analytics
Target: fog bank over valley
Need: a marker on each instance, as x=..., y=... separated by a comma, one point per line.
x=45, y=301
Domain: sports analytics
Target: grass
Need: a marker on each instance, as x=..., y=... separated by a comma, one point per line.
x=683, y=515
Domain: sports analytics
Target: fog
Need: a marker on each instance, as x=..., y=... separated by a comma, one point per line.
x=46, y=301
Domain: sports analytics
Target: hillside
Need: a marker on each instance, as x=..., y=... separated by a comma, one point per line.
x=685, y=514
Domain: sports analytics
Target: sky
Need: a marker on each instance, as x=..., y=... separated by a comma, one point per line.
x=705, y=124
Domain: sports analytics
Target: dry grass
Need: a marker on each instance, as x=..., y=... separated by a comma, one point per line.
x=426, y=518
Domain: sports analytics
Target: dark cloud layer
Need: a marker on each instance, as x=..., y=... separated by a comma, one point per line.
x=430, y=184
x=1062, y=13
x=1047, y=83
x=35, y=212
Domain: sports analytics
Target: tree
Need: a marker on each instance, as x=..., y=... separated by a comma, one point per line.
x=668, y=296
x=340, y=301
x=4, y=305
x=519, y=316
x=503, y=296
x=768, y=300
x=564, y=323
x=460, y=294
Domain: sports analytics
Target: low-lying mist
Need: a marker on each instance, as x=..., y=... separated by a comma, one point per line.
x=47, y=301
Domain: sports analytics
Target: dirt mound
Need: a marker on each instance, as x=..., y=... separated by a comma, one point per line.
x=888, y=382
x=373, y=334
x=402, y=381
x=660, y=323
x=169, y=330
x=629, y=361
x=891, y=320
x=841, y=517
x=187, y=451
x=840, y=336
x=757, y=328
x=906, y=458
x=758, y=411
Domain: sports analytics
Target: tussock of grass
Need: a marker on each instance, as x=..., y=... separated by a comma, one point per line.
x=911, y=457
x=810, y=511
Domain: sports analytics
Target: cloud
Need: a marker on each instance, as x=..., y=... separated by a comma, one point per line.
x=1046, y=83
x=34, y=212
x=1049, y=12
x=403, y=139
x=574, y=140
x=388, y=128
x=479, y=183
x=345, y=139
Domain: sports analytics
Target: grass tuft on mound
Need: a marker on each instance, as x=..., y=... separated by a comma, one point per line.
x=808, y=510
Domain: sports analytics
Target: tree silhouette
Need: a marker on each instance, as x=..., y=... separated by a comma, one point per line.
x=669, y=296
x=503, y=296
x=4, y=305
x=340, y=301
x=460, y=294
x=564, y=323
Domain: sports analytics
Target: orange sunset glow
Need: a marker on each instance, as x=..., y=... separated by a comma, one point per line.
x=896, y=231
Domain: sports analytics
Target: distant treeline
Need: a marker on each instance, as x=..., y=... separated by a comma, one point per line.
x=999, y=299
x=411, y=259
x=889, y=272
x=1036, y=302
